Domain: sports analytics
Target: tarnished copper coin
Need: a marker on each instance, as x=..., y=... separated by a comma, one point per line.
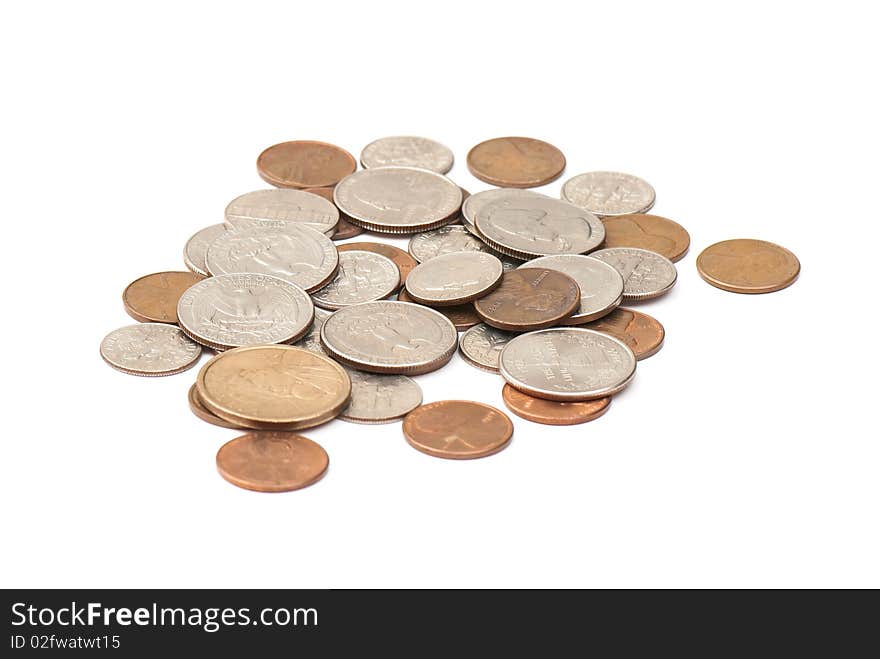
x=516, y=162
x=650, y=232
x=344, y=229
x=551, y=412
x=272, y=461
x=458, y=429
x=748, y=266
x=198, y=408
x=305, y=164
x=153, y=298
x=529, y=299
x=643, y=334
x=404, y=262
x=462, y=316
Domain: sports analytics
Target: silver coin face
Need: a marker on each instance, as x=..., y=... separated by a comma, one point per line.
x=445, y=240
x=474, y=204
x=229, y=311
x=280, y=207
x=600, y=283
x=378, y=398
x=312, y=339
x=390, y=337
x=150, y=349
x=645, y=274
x=362, y=277
x=609, y=193
x=196, y=249
x=397, y=199
x=567, y=363
x=482, y=344
x=298, y=254
x=407, y=151
x=454, y=278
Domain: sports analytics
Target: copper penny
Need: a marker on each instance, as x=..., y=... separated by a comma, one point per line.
x=305, y=164
x=344, y=229
x=198, y=408
x=404, y=262
x=516, y=162
x=643, y=334
x=650, y=232
x=458, y=429
x=463, y=316
x=272, y=461
x=551, y=412
x=153, y=298
x=748, y=266
x=529, y=299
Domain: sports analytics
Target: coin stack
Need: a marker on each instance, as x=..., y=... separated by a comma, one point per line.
x=306, y=330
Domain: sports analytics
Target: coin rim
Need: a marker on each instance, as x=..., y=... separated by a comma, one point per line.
x=552, y=421
x=437, y=454
x=197, y=407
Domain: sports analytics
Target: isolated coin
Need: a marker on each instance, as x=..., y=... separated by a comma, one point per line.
x=552, y=412
x=646, y=275
x=748, y=266
x=377, y=398
x=344, y=229
x=529, y=299
x=609, y=193
x=457, y=429
x=481, y=346
x=153, y=298
x=650, y=232
x=312, y=339
x=362, y=277
x=196, y=248
x=407, y=151
x=198, y=408
x=474, y=203
x=404, y=262
x=600, y=284
x=445, y=240
x=515, y=162
x=272, y=461
x=640, y=332
x=462, y=316
x=149, y=349
x=454, y=279
x=278, y=209
x=304, y=164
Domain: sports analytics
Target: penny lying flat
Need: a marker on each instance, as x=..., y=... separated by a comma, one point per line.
x=515, y=162
x=646, y=275
x=454, y=279
x=600, y=284
x=153, y=298
x=474, y=203
x=377, y=398
x=404, y=262
x=407, y=151
x=196, y=248
x=445, y=240
x=149, y=349
x=272, y=461
x=462, y=316
x=305, y=164
x=651, y=232
x=312, y=339
x=609, y=193
x=457, y=429
x=344, y=229
x=198, y=408
x=748, y=266
x=551, y=412
x=362, y=277
x=640, y=332
x=278, y=209
x=481, y=346
x=529, y=299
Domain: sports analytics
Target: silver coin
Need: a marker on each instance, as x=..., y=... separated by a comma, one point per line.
x=473, y=204
x=609, y=193
x=196, y=248
x=482, y=344
x=362, y=277
x=281, y=207
x=567, y=363
x=407, y=151
x=150, y=349
x=312, y=339
x=390, y=337
x=600, y=283
x=398, y=199
x=378, y=398
x=298, y=254
x=445, y=240
x=454, y=278
x=645, y=274
x=229, y=311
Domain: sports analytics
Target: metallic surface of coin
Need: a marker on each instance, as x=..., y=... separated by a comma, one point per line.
x=196, y=248
x=462, y=316
x=362, y=277
x=280, y=208
x=646, y=275
x=149, y=349
x=153, y=298
x=445, y=240
x=650, y=232
x=529, y=299
x=567, y=363
x=390, y=337
x=344, y=229
x=609, y=193
x=377, y=398
x=454, y=279
x=407, y=151
x=457, y=429
x=398, y=199
x=312, y=340
x=748, y=266
x=552, y=412
x=640, y=332
x=474, y=203
x=198, y=408
x=515, y=162
x=272, y=461
x=304, y=164
x=404, y=262
x=481, y=346
x=601, y=285
x=228, y=311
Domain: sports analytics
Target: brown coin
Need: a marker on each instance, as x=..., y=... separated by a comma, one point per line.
x=529, y=299
x=305, y=164
x=462, y=316
x=404, y=262
x=650, y=232
x=516, y=162
x=643, y=334
x=748, y=266
x=272, y=461
x=459, y=429
x=153, y=298
x=344, y=229
x=551, y=412
x=198, y=408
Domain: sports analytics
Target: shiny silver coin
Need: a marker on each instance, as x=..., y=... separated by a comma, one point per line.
x=378, y=398
x=196, y=248
x=567, y=363
x=646, y=274
x=482, y=344
x=150, y=349
x=312, y=339
x=407, y=151
x=445, y=240
x=455, y=278
x=229, y=311
x=474, y=204
x=601, y=285
x=390, y=337
x=362, y=277
x=280, y=207
x=609, y=193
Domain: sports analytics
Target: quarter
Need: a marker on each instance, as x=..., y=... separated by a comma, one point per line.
x=362, y=277
x=344, y=229
x=196, y=248
x=474, y=203
x=278, y=209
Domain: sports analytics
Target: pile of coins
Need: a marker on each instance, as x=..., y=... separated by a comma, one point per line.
x=306, y=330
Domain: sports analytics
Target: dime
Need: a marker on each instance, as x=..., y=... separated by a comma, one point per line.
x=228, y=311
x=609, y=193
x=153, y=298
x=312, y=340
x=379, y=398
x=278, y=209
x=458, y=429
x=304, y=164
x=390, y=337
x=481, y=346
x=601, y=285
x=362, y=277
x=474, y=203
x=646, y=275
x=529, y=299
x=516, y=162
x=642, y=333
x=149, y=349
x=196, y=248
x=454, y=279
x=650, y=232
x=344, y=229
x=272, y=461
x=272, y=386
x=551, y=412
x=748, y=266
x=198, y=408
x=445, y=240
x=462, y=316
x=567, y=363
x=398, y=199
x=406, y=151
x=404, y=262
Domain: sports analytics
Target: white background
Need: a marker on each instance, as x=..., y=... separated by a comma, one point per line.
x=744, y=454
